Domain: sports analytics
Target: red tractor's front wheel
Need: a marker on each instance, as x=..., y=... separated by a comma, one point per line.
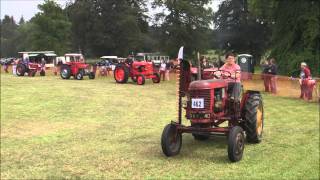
x=235, y=144
x=171, y=140
x=140, y=80
x=156, y=78
x=121, y=73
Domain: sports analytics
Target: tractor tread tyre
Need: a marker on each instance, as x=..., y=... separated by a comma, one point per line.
x=126, y=73
x=42, y=73
x=157, y=78
x=235, y=144
x=250, y=113
x=170, y=148
x=142, y=81
x=66, y=68
x=23, y=69
x=79, y=76
x=91, y=75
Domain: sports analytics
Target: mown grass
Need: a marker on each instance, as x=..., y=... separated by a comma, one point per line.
x=53, y=129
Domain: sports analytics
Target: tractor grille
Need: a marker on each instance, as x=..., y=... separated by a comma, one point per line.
x=205, y=94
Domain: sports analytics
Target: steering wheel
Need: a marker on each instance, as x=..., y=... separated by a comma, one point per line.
x=224, y=74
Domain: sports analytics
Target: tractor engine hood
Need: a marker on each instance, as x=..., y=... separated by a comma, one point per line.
x=207, y=84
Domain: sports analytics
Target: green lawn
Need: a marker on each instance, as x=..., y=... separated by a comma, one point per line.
x=53, y=128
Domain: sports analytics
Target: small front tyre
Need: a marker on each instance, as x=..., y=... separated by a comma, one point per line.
x=156, y=78
x=235, y=144
x=140, y=80
x=92, y=75
x=79, y=76
x=42, y=73
x=171, y=140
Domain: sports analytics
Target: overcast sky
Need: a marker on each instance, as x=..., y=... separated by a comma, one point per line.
x=28, y=8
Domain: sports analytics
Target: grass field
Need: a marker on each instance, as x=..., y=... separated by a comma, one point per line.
x=53, y=128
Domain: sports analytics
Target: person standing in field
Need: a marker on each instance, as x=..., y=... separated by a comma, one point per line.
x=306, y=82
x=168, y=68
x=162, y=69
x=266, y=79
x=272, y=72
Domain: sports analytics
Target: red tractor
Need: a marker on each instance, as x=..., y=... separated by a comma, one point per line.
x=76, y=67
x=138, y=71
x=35, y=61
x=211, y=112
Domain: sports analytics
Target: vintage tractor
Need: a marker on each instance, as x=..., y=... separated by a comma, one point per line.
x=35, y=61
x=30, y=68
x=138, y=71
x=77, y=70
x=211, y=111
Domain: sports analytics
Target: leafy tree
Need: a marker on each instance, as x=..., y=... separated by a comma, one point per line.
x=21, y=21
x=295, y=33
x=186, y=23
x=237, y=29
x=51, y=29
x=8, y=33
x=108, y=27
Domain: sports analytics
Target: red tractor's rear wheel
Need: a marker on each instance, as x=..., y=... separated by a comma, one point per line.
x=235, y=144
x=65, y=71
x=254, y=117
x=92, y=75
x=171, y=140
x=156, y=78
x=140, y=80
x=121, y=73
x=42, y=73
x=21, y=69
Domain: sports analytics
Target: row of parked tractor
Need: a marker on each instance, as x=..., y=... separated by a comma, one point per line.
x=74, y=65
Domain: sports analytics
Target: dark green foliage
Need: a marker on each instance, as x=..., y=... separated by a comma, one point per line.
x=238, y=30
x=113, y=27
x=9, y=30
x=51, y=29
x=186, y=24
x=295, y=32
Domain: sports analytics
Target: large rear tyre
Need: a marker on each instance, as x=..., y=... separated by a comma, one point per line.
x=171, y=140
x=156, y=79
x=65, y=72
x=200, y=137
x=121, y=73
x=253, y=115
x=91, y=75
x=140, y=80
x=42, y=73
x=235, y=144
x=21, y=69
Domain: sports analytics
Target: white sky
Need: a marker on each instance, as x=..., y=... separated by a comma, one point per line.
x=28, y=8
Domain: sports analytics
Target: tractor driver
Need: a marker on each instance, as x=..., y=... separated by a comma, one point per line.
x=234, y=85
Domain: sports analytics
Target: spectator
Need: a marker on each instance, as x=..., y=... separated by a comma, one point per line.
x=306, y=82
x=163, y=70
x=266, y=79
x=272, y=72
x=168, y=68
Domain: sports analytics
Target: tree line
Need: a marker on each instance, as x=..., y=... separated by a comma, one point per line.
x=283, y=29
